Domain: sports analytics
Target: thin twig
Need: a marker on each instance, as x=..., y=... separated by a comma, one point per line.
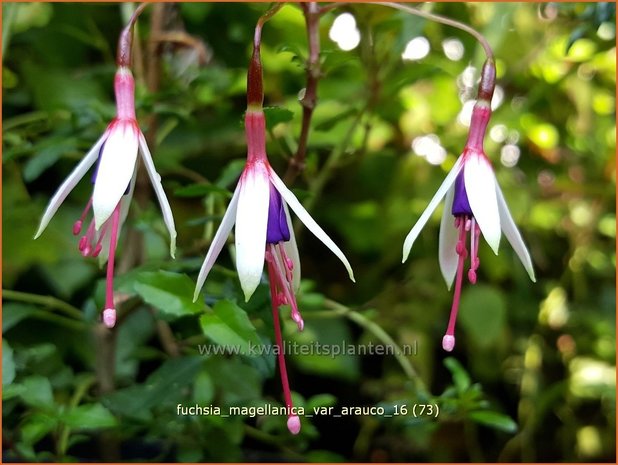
x=444, y=20
x=44, y=300
x=337, y=309
x=309, y=100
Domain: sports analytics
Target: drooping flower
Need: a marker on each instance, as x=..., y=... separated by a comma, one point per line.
x=263, y=227
x=116, y=155
x=475, y=200
x=259, y=209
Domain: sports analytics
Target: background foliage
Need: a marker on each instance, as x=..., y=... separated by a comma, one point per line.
x=533, y=373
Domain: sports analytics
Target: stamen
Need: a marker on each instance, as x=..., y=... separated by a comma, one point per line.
x=286, y=286
x=77, y=226
x=288, y=263
x=99, y=245
x=85, y=243
x=448, y=341
x=293, y=422
x=109, y=314
x=474, y=245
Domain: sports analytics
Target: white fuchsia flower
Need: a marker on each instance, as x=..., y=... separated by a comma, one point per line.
x=116, y=155
x=259, y=209
x=474, y=198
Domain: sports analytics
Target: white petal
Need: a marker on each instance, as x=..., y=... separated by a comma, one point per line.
x=115, y=170
x=512, y=234
x=448, y=241
x=420, y=224
x=251, y=223
x=480, y=183
x=306, y=218
x=124, y=211
x=217, y=242
x=291, y=250
x=69, y=183
x=155, y=179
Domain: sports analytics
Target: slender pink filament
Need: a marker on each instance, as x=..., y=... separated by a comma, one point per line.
x=99, y=244
x=110, y=310
x=474, y=250
x=85, y=243
x=77, y=226
x=283, y=270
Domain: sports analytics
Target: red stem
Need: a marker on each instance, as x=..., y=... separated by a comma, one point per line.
x=312, y=20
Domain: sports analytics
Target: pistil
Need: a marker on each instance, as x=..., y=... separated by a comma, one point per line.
x=77, y=227
x=109, y=314
x=275, y=275
x=463, y=224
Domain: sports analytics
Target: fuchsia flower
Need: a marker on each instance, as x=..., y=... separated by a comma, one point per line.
x=259, y=209
x=113, y=179
x=474, y=198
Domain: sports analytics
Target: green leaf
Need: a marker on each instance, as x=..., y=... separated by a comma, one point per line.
x=483, y=314
x=276, y=115
x=164, y=385
x=330, y=123
x=237, y=382
x=321, y=400
x=494, y=420
x=203, y=389
x=89, y=416
x=200, y=190
x=170, y=293
x=230, y=173
x=8, y=364
x=229, y=325
x=460, y=376
x=46, y=157
x=37, y=426
x=13, y=313
x=37, y=392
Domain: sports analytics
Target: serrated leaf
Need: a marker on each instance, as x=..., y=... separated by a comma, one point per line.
x=89, y=416
x=170, y=293
x=494, y=420
x=229, y=325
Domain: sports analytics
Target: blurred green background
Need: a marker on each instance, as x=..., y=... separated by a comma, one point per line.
x=533, y=375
